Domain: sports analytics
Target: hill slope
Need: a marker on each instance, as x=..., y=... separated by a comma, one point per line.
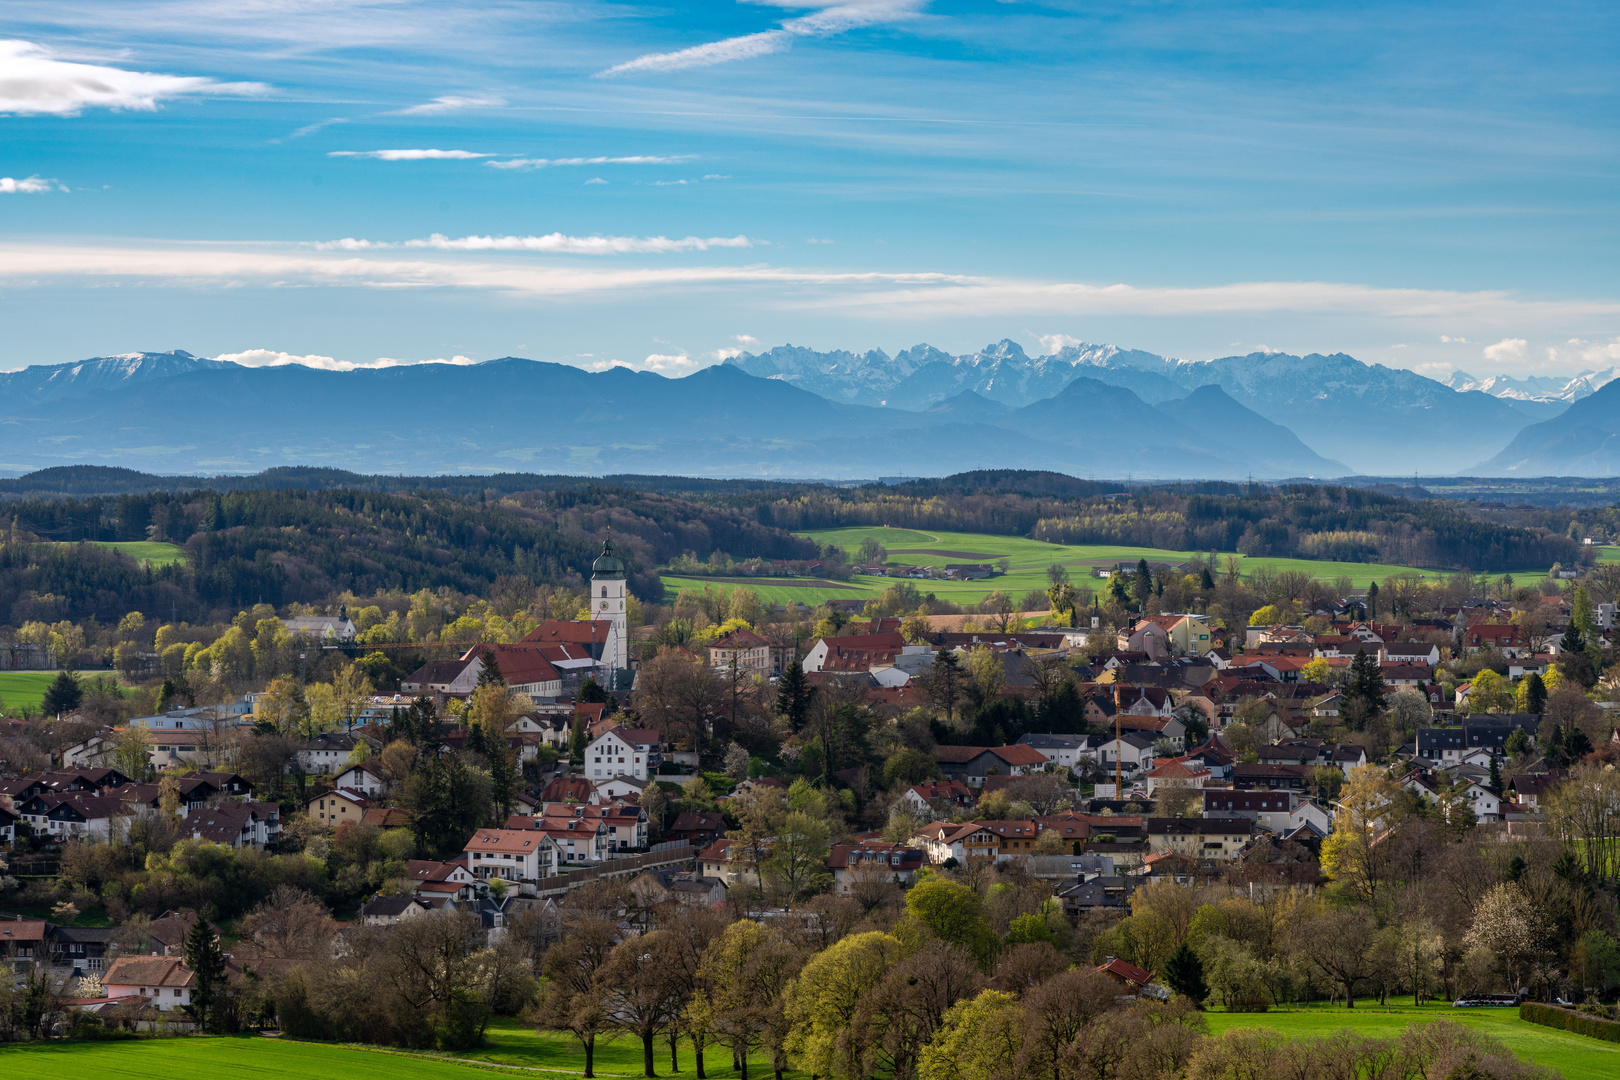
x=1584, y=441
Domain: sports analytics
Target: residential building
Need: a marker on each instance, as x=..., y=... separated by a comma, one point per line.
x=938, y=798
x=697, y=828
x=623, y=751
x=874, y=861
x=1248, y=777
x=363, y=778
x=390, y=910
x=326, y=752
x=1279, y=811
x=971, y=764
x=22, y=943
x=748, y=651
x=519, y=856
x=1061, y=750
x=1176, y=773
x=1199, y=838
x=333, y=808
x=325, y=627
x=162, y=982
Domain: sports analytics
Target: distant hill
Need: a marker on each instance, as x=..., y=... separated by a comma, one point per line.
x=1584, y=441
x=180, y=415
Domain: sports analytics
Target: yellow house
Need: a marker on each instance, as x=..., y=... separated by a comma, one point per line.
x=1189, y=636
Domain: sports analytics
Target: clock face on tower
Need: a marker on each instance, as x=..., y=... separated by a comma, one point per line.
x=604, y=605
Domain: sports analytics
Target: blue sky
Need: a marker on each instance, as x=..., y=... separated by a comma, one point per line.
x=1423, y=185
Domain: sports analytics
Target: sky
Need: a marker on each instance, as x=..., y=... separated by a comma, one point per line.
x=363, y=182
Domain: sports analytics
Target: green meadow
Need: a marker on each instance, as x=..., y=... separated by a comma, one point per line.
x=1028, y=558
x=149, y=551
x=23, y=688
x=1578, y=1057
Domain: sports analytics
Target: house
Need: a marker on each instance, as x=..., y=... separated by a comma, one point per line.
x=1214, y=755
x=22, y=942
x=333, y=808
x=324, y=627
x=656, y=886
x=971, y=764
x=161, y=982
x=1507, y=638
x=937, y=798
x=1246, y=777
x=1132, y=980
x=622, y=787
x=229, y=785
x=440, y=880
x=1102, y=893
x=8, y=826
x=519, y=856
x=1409, y=652
x=1145, y=637
x=745, y=650
x=1280, y=811
x=1486, y=805
x=363, y=778
x=623, y=751
x=1199, y=838
x=388, y=910
x=79, y=950
x=698, y=829
x=575, y=840
x=1061, y=750
x=1532, y=789
x=1176, y=772
x=945, y=842
x=326, y=752
x=1132, y=750
x=858, y=653
x=874, y=860
x=626, y=824
x=1477, y=740
x=524, y=668
x=1144, y=701
x=236, y=824
x=567, y=789
x=74, y=816
x=730, y=863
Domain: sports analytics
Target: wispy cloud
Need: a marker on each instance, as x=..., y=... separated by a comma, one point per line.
x=310, y=129
x=552, y=243
x=451, y=103
x=34, y=80
x=551, y=163
x=410, y=155
x=272, y=358
x=1053, y=343
x=837, y=19
x=918, y=295
x=28, y=185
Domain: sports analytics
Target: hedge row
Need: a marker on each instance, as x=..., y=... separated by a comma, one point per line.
x=1579, y=1023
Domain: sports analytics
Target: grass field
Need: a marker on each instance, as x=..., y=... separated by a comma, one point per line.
x=518, y=1047
x=510, y=1044
x=23, y=688
x=1578, y=1057
x=158, y=554
x=1029, y=559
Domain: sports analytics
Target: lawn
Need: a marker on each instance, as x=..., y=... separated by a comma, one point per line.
x=510, y=1044
x=23, y=688
x=152, y=551
x=1029, y=559
x=1578, y=1057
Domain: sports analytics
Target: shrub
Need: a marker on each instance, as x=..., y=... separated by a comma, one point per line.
x=1548, y=1016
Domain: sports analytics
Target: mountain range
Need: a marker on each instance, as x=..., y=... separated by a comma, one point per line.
x=1375, y=419
x=1089, y=410
x=1548, y=388
x=173, y=412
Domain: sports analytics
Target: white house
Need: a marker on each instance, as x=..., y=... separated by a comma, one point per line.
x=1061, y=750
x=362, y=778
x=622, y=751
x=1133, y=750
x=324, y=627
x=163, y=982
x=520, y=856
x=326, y=752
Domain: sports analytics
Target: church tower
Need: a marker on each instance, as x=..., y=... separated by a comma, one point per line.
x=608, y=603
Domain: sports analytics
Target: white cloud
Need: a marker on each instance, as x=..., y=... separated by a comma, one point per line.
x=745, y=339
x=726, y=354
x=1582, y=354
x=1053, y=343
x=34, y=80
x=28, y=185
x=891, y=295
x=410, y=155
x=451, y=103
x=552, y=243
x=552, y=163
x=1447, y=340
x=1507, y=351
x=272, y=358
x=595, y=180
x=836, y=19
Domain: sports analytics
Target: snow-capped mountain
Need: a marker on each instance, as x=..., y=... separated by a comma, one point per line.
x=1374, y=418
x=52, y=382
x=1536, y=387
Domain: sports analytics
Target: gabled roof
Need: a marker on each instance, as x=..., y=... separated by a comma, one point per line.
x=506, y=841
x=1129, y=972
x=167, y=971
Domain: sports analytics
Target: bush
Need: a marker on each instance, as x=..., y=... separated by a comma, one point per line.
x=1548, y=1016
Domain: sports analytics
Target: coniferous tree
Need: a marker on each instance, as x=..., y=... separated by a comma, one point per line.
x=1142, y=583
x=504, y=776
x=489, y=670
x=1535, y=694
x=1364, y=689
x=793, y=696
x=62, y=696
x=945, y=681
x=1496, y=774
x=1206, y=580
x=591, y=692
x=207, y=964
x=1184, y=974
x=1372, y=600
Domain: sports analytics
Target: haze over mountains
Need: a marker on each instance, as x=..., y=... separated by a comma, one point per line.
x=793, y=412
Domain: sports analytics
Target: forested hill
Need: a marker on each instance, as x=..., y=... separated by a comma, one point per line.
x=278, y=547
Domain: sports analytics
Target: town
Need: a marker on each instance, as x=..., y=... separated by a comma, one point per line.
x=1173, y=792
